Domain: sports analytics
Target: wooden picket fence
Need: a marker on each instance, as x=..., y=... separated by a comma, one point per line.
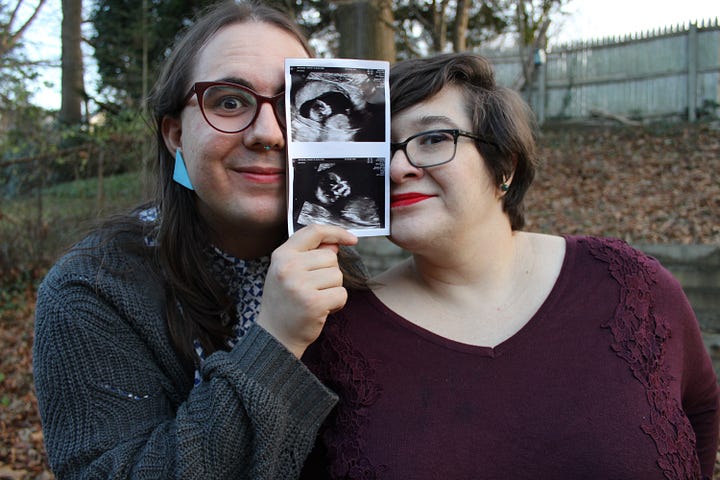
x=671, y=72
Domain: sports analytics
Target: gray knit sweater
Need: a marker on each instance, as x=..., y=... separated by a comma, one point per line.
x=116, y=402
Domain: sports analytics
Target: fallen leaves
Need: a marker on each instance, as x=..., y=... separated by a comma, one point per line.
x=657, y=184
x=646, y=185
x=22, y=453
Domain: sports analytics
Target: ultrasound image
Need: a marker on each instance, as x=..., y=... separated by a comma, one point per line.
x=348, y=193
x=336, y=105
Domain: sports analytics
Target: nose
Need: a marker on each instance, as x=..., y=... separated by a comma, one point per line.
x=265, y=130
x=401, y=169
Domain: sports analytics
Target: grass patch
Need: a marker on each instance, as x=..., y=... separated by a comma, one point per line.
x=79, y=199
x=35, y=229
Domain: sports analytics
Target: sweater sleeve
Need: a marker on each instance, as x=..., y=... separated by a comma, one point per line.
x=700, y=398
x=115, y=402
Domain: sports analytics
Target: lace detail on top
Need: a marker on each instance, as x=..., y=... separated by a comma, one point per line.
x=639, y=338
x=244, y=281
x=352, y=377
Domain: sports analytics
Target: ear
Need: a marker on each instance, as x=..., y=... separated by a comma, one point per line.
x=172, y=133
x=514, y=159
x=509, y=178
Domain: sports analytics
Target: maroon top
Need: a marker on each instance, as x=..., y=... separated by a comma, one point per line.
x=609, y=379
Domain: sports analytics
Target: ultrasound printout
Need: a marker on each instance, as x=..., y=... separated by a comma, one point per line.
x=338, y=130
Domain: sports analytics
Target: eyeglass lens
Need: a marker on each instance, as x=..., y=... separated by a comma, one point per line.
x=232, y=109
x=431, y=148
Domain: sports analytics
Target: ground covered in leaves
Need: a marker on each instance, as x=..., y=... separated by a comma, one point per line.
x=646, y=185
x=658, y=184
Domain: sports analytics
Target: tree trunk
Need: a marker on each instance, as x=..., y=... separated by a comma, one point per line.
x=532, y=31
x=73, y=89
x=462, y=18
x=366, y=29
x=439, y=27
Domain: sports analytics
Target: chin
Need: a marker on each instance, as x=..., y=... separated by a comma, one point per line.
x=406, y=240
x=259, y=217
x=417, y=236
x=270, y=221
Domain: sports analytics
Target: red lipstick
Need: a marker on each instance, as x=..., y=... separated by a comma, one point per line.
x=405, y=199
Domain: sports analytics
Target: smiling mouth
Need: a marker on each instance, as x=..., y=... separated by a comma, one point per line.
x=406, y=199
x=261, y=174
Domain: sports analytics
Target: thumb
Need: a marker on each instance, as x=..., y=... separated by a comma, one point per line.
x=315, y=236
x=334, y=247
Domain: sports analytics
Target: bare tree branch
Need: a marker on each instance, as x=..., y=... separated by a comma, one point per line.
x=532, y=34
x=10, y=38
x=409, y=43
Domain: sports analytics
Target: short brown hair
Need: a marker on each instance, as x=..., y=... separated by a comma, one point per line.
x=497, y=113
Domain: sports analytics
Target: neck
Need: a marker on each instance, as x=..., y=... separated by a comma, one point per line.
x=472, y=260
x=490, y=278
x=248, y=243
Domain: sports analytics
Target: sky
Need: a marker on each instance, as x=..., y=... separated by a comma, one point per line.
x=591, y=19
x=585, y=20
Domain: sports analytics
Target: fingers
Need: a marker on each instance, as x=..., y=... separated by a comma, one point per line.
x=323, y=277
x=329, y=246
x=307, y=269
x=303, y=285
x=312, y=236
x=334, y=299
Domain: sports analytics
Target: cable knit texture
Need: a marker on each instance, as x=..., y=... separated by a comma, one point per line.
x=609, y=379
x=116, y=402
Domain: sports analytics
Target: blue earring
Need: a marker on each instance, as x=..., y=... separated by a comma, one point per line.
x=180, y=174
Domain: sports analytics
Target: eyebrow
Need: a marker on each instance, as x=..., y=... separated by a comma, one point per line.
x=434, y=120
x=245, y=83
x=429, y=122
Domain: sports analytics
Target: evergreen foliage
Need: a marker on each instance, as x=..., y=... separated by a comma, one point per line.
x=126, y=32
x=123, y=32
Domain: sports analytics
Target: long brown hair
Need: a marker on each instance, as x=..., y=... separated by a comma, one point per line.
x=196, y=302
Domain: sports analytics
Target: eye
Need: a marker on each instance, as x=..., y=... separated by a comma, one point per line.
x=228, y=101
x=434, y=138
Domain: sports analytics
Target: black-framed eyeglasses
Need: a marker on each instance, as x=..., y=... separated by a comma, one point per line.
x=231, y=108
x=433, y=147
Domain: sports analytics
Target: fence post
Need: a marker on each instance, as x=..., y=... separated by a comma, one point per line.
x=540, y=59
x=692, y=56
x=542, y=79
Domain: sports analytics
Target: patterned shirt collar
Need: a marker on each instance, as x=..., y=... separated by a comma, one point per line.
x=244, y=281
